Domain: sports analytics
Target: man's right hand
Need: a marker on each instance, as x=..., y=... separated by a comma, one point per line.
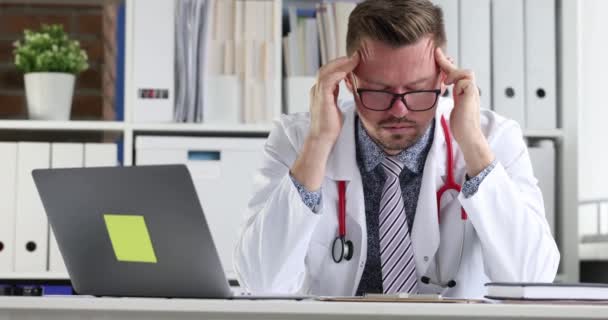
x=325, y=122
x=325, y=116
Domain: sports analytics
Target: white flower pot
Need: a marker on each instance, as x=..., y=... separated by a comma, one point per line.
x=49, y=95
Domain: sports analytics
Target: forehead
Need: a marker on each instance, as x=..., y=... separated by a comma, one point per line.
x=383, y=63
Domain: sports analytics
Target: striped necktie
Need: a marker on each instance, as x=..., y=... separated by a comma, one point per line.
x=396, y=251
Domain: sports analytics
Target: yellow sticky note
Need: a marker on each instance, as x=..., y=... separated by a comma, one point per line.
x=130, y=238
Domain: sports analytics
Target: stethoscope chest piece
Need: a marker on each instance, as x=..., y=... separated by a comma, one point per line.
x=341, y=249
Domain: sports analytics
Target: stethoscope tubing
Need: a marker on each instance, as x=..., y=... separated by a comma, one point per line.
x=342, y=249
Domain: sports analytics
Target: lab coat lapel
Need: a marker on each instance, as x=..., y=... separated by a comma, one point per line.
x=342, y=165
x=425, y=231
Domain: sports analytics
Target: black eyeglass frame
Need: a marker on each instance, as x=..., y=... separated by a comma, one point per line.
x=395, y=97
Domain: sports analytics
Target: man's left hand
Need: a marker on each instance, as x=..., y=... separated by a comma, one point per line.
x=464, y=119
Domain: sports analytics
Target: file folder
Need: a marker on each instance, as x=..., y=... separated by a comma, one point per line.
x=63, y=155
x=475, y=45
x=100, y=154
x=508, y=59
x=8, y=180
x=541, y=101
x=542, y=156
x=450, y=20
x=31, y=226
x=153, y=60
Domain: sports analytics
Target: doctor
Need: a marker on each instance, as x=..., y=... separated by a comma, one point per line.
x=383, y=159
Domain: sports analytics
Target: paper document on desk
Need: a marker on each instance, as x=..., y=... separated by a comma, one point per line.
x=402, y=298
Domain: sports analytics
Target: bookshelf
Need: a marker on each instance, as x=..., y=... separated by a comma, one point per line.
x=564, y=137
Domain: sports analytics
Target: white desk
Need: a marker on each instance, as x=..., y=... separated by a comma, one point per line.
x=52, y=308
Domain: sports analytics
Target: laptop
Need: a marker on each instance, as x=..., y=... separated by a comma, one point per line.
x=133, y=231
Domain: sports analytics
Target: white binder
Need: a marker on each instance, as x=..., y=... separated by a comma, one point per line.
x=475, y=45
x=224, y=100
x=100, y=154
x=297, y=93
x=542, y=156
x=31, y=227
x=450, y=20
x=63, y=155
x=222, y=170
x=541, y=104
x=8, y=180
x=508, y=59
x=153, y=60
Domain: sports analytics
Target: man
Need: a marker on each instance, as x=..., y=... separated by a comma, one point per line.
x=391, y=151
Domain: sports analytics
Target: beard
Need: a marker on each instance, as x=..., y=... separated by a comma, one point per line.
x=396, y=142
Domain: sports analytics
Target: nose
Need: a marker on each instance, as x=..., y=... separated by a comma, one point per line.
x=398, y=109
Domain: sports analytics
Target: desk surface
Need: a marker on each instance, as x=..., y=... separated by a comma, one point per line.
x=151, y=308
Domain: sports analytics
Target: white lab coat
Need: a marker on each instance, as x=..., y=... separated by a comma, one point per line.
x=286, y=248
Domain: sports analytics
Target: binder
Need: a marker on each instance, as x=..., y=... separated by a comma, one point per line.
x=323, y=36
x=450, y=20
x=63, y=155
x=312, y=47
x=542, y=156
x=153, y=60
x=222, y=170
x=540, y=49
x=297, y=92
x=508, y=59
x=342, y=12
x=100, y=154
x=31, y=227
x=8, y=180
x=224, y=100
x=475, y=46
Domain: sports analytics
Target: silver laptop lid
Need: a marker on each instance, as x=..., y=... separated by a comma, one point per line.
x=132, y=231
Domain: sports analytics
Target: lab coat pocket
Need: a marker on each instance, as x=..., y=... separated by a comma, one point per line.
x=316, y=257
x=452, y=230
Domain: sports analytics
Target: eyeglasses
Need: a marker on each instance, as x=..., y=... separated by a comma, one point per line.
x=380, y=100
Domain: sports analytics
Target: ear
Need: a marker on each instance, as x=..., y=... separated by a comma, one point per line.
x=442, y=86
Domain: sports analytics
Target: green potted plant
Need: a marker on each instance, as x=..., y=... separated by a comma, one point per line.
x=50, y=61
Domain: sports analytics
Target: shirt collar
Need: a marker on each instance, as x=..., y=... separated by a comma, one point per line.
x=413, y=157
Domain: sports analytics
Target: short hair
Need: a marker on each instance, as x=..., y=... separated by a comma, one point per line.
x=395, y=22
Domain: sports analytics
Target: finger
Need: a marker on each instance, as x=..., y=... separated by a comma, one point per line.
x=458, y=75
x=344, y=64
x=465, y=87
x=331, y=81
x=443, y=62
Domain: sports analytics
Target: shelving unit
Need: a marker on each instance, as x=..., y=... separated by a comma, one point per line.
x=565, y=136
x=113, y=126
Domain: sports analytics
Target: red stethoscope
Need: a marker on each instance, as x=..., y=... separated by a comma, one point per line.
x=342, y=249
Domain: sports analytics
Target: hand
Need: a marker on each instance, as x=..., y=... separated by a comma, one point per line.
x=325, y=123
x=464, y=118
x=326, y=118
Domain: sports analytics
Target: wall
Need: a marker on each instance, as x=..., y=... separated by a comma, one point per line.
x=91, y=25
x=593, y=128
